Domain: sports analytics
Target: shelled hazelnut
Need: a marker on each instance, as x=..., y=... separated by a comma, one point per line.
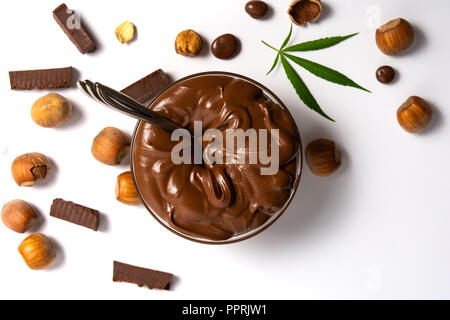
x=38, y=251
x=414, y=114
x=188, y=43
x=125, y=189
x=110, y=146
x=125, y=32
x=51, y=110
x=18, y=216
x=395, y=37
x=30, y=167
x=323, y=157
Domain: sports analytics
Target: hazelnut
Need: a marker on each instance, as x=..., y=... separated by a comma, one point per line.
x=29, y=167
x=38, y=251
x=110, y=146
x=395, y=36
x=51, y=110
x=125, y=189
x=303, y=11
x=18, y=216
x=414, y=115
x=188, y=43
x=323, y=157
x=125, y=32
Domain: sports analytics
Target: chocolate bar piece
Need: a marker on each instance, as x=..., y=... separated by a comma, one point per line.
x=73, y=28
x=41, y=79
x=74, y=213
x=147, y=87
x=141, y=276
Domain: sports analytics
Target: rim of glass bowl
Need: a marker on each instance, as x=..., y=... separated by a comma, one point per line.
x=268, y=223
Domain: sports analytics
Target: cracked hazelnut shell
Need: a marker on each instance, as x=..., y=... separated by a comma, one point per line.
x=395, y=37
x=110, y=146
x=414, y=114
x=304, y=11
x=18, y=216
x=30, y=167
x=323, y=157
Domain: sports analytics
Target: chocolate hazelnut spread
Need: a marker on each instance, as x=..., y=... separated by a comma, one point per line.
x=215, y=201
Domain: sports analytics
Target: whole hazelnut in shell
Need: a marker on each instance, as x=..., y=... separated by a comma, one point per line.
x=414, y=114
x=323, y=157
x=125, y=189
x=110, y=146
x=51, y=110
x=38, y=251
x=18, y=216
x=395, y=37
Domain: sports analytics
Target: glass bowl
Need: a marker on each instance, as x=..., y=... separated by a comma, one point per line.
x=253, y=232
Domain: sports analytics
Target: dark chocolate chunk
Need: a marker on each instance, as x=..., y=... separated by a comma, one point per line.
x=256, y=9
x=74, y=213
x=148, y=86
x=74, y=29
x=141, y=276
x=40, y=79
x=224, y=46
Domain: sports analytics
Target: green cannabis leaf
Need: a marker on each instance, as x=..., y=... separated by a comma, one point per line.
x=318, y=44
x=286, y=41
x=325, y=72
x=274, y=64
x=313, y=67
x=301, y=88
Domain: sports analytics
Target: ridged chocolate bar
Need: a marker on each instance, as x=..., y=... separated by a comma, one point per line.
x=148, y=86
x=75, y=213
x=142, y=277
x=40, y=79
x=74, y=29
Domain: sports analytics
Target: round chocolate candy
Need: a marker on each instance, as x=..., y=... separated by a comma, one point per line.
x=256, y=9
x=224, y=46
x=385, y=74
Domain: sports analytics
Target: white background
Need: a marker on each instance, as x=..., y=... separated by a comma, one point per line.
x=377, y=229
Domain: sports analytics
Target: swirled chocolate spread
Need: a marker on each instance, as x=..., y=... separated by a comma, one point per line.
x=215, y=201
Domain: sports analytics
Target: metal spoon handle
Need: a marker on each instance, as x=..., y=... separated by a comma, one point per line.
x=124, y=104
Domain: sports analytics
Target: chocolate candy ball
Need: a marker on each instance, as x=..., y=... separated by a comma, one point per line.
x=385, y=74
x=256, y=9
x=224, y=47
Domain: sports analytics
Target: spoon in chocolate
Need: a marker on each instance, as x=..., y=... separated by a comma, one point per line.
x=124, y=104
